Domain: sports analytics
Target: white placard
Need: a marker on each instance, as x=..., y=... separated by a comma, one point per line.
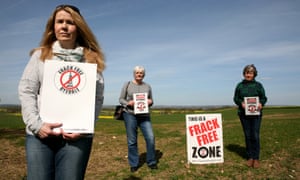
x=204, y=138
x=251, y=107
x=140, y=103
x=68, y=95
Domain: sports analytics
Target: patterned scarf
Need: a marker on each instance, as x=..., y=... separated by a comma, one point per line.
x=73, y=55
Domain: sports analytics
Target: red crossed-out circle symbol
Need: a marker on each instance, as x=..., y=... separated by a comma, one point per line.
x=70, y=79
x=252, y=108
x=141, y=106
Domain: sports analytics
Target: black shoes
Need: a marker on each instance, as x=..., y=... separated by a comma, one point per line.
x=153, y=166
x=133, y=169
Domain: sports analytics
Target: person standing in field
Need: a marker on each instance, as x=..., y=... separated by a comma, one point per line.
x=249, y=87
x=133, y=121
x=50, y=154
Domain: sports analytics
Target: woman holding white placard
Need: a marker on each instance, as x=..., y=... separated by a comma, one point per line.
x=136, y=97
x=54, y=154
x=250, y=98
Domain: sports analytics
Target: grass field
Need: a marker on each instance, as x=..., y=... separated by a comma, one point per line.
x=280, y=147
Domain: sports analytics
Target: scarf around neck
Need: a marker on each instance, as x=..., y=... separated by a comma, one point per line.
x=72, y=55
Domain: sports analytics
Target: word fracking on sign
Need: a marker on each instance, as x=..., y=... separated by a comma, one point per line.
x=204, y=138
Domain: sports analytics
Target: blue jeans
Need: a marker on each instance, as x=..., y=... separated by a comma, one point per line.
x=251, y=128
x=55, y=158
x=132, y=122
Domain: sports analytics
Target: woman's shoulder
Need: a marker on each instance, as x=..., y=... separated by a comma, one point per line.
x=35, y=55
x=36, y=52
x=259, y=83
x=240, y=83
x=146, y=84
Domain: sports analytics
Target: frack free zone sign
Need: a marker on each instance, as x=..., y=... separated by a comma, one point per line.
x=204, y=138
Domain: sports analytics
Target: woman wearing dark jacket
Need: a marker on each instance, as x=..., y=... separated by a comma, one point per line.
x=249, y=87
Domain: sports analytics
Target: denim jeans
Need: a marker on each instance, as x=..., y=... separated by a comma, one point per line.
x=132, y=122
x=55, y=158
x=251, y=128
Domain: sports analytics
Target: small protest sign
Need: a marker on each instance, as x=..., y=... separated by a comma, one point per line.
x=251, y=107
x=140, y=103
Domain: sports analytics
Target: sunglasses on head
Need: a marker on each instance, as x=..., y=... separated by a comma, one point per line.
x=63, y=6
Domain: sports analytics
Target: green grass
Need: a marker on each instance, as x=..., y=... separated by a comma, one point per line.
x=10, y=120
x=280, y=147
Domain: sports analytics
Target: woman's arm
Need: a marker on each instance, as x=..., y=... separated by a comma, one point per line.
x=29, y=87
x=123, y=94
x=238, y=100
x=99, y=94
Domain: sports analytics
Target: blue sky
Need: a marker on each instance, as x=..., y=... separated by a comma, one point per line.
x=193, y=50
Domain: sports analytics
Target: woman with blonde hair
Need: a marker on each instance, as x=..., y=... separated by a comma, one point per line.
x=51, y=154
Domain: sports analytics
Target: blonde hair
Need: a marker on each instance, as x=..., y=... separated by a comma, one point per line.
x=85, y=38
